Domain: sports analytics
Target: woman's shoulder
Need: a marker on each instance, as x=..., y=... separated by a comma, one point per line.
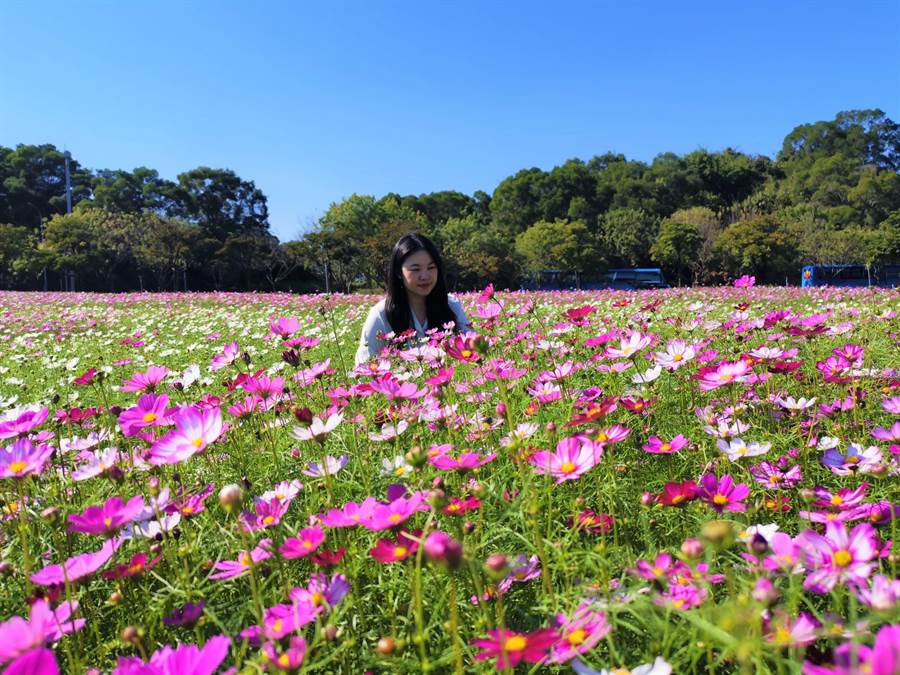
x=453, y=300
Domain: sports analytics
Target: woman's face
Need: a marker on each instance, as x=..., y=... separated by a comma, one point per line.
x=419, y=273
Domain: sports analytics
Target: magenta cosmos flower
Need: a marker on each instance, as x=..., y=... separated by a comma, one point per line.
x=150, y=411
x=388, y=550
x=394, y=389
x=235, y=568
x=146, y=381
x=579, y=634
x=23, y=459
x=18, y=636
x=181, y=660
x=230, y=352
x=464, y=461
x=23, y=424
x=306, y=541
x=838, y=556
x=77, y=567
x=722, y=494
x=510, y=647
x=571, y=460
x=107, y=519
x=385, y=516
x=657, y=446
x=194, y=431
x=723, y=374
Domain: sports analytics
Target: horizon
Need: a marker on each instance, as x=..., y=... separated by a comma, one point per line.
x=411, y=100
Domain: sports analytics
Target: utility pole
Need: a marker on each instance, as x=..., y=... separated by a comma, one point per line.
x=68, y=157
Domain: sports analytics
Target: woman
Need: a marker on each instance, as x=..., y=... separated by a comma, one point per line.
x=416, y=297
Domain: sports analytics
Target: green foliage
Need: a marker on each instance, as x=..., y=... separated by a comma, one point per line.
x=560, y=244
x=627, y=235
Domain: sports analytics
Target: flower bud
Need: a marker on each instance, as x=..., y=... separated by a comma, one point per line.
x=438, y=483
x=115, y=598
x=6, y=568
x=497, y=565
x=295, y=453
x=501, y=409
x=131, y=635
x=440, y=547
x=50, y=514
x=647, y=499
x=291, y=357
x=718, y=533
x=551, y=427
x=230, y=497
x=764, y=591
x=245, y=357
x=329, y=633
x=304, y=416
x=153, y=484
x=807, y=494
x=758, y=544
x=436, y=498
x=692, y=548
x=468, y=527
x=386, y=645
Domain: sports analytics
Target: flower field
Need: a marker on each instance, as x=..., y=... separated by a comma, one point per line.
x=684, y=481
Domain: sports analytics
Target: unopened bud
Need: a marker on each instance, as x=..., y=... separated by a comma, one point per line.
x=692, y=548
x=438, y=483
x=303, y=415
x=647, y=499
x=230, y=497
x=245, y=357
x=295, y=453
x=759, y=544
x=386, y=645
x=115, y=598
x=764, y=591
x=436, y=498
x=718, y=533
x=496, y=565
x=291, y=357
x=807, y=494
x=131, y=635
x=50, y=514
x=468, y=527
x=501, y=409
x=329, y=633
x=551, y=427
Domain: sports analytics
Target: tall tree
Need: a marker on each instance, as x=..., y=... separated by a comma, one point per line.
x=221, y=203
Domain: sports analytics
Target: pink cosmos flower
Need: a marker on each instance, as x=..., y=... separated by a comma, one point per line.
x=150, y=411
x=882, y=595
x=659, y=447
x=891, y=405
x=746, y=281
x=462, y=348
x=18, y=636
x=570, y=461
x=463, y=462
x=884, y=434
x=306, y=541
x=265, y=514
x=784, y=632
x=677, y=353
x=290, y=659
x=24, y=424
x=774, y=478
x=395, y=550
x=23, y=459
x=838, y=556
x=678, y=494
x=194, y=431
x=77, y=567
x=851, y=658
x=510, y=647
x=722, y=375
x=182, y=660
x=680, y=597
x=145, y=381
x=660, y=568
x=98, y=463
x=284, y=619
x=579, y=634
x=107, y=519
x=394, y=389
x=350, y=514
x=322, y=590
x=327, y=467
x=722, y=494
x=521, y=570
x=137, y=565
x=285, y=326
x=395, y=513
x=229, y=354
x=628, y=346
x=235, y=568
x=843, y=499
x=40, y=661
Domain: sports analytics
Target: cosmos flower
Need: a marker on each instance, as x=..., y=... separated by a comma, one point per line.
x=306, y=541
x=395, y=550
x=235, y=568
x=186, y=615
x=738, y=448
x=145, y=381
x=106, y=519
x=45, y=624
x=722, y=375
x=23, y=424
x=184, y=659
x=318, y=430
x=722, y=494
x=659, y=667
x=579, y=634
x=570, y=461
x=194, y=431
x=510, y=647
x=77, y=567
x=22, y=459
x=328, y=466
x=857, y=459
x=230, y=353
x=463, y=462
x=657, y=446
x=838, y=556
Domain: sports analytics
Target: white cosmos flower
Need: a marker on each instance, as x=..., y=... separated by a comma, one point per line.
x=318, y=430
x=738, y=449
x=647, y=375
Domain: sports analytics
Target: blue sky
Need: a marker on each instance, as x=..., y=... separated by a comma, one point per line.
x=315, y=101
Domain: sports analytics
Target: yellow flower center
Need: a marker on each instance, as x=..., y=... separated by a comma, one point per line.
x=399, y=471
x=602, y=437
x=277, y=625
x=268, y=520
x=187, y=509
x=400, y=551
x=395, y=518
x=134, y=569
x=658, y=571
x=843, y=558
x=516, y=643
x=107, y=521
x=306, y=543
x=466, y=353
x=197, y=442
x=567, y=467
x=317, y=598
x=284, y=660
x=577, y=636
x=17, y=467
x=677, y=357
x=720, y=500
x=244, y=559
x=782, y=635
x=677, y=499
x=837, y=500
x=665, y=447
x=150, y=417
x=677, y=603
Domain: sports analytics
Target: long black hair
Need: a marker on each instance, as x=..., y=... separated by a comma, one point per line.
x=396, y=302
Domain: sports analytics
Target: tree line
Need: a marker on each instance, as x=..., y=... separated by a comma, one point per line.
x=831, y=195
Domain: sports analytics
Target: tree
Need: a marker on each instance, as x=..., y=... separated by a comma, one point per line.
x=759, y=246
x=627, y=235
x=476, y=254
x=221, y=203
x=516, y=202
x=676, y=248
x=169, y=247
x=15, y=240
x=134, y=192
x=33, y=184
x=559, y=244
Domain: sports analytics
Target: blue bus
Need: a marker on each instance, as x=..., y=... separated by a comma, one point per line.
x=887, y=276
